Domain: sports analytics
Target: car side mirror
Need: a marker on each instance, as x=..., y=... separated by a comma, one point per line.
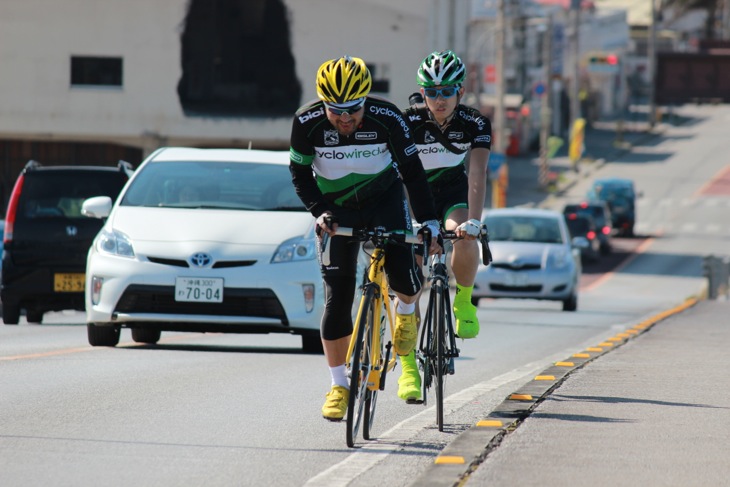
x=97, y=207
x=580, y=243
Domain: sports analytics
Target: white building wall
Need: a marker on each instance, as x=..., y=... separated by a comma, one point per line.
x=38, y=38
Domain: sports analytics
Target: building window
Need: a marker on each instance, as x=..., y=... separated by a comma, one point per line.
x=237, y=60
x=96, y=71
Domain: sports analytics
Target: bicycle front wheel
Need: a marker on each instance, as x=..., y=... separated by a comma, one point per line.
x=440, y=369
x=373, y=326
x=360, y=367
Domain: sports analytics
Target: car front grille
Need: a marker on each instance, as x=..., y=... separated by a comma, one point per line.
x=532, y=288
x=223, y=264
x=236, y=302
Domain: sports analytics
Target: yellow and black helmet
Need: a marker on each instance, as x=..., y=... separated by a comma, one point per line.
x=342, y=80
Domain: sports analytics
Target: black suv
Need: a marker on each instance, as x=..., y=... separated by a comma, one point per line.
x=46, y=238
x=601, y=215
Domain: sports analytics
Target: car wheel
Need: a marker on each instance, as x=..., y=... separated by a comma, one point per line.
x=146, y=335
x=34, y=316
x=475, y=300
x=570, y=304
x=11, y=314
x=103, y=336
x=312, y=343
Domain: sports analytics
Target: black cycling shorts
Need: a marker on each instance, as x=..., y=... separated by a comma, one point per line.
x=404, y=275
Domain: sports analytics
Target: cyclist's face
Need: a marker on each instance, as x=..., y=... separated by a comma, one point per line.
x=441, y=107
x=346, y=123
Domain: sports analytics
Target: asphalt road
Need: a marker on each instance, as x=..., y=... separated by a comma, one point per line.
x=230, y=410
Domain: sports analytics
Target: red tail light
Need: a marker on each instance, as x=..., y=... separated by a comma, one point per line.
x=591, y=235
x=606, y=230
x=12, y=209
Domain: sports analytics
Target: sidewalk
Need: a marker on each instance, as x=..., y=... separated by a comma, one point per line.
x=655, y=411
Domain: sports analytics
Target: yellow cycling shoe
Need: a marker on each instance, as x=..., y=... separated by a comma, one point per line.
x=406, y=332
x=467, y=323
x=336, y=404
x=409, y=382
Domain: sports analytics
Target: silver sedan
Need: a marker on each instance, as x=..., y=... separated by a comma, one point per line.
x=533, y=257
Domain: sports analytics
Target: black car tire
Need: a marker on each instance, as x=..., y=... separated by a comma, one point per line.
x=34, y=316
x=11, y=314
x=103, y=336
x=570, y=304
x=146, y=335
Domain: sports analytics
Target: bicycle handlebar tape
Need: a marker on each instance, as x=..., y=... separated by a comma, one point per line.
x=325, y=249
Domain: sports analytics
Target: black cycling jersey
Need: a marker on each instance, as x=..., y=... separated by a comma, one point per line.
x=468, y=129
x=354, y=171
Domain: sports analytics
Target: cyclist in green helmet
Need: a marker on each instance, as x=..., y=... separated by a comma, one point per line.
x=448, y=134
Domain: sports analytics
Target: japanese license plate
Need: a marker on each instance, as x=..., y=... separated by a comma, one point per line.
x=515, y=279
x=199, y=289
x=69, y=283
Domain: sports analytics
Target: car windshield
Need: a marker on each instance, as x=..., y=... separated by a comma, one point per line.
x=594, y=211
x=578, y=226
x=615, y=192
x=218, y=185
x=524, y=229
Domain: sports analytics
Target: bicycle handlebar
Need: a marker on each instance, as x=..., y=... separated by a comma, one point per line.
x=483, y=240
x=376, y=235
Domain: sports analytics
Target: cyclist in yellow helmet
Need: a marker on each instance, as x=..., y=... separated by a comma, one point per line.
x=351, y=154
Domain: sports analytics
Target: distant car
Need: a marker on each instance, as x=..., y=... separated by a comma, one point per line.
x=583, y=225
x=46, y=238
x=236, y=255
x=533, y=257
x=601, y=215
x=620, y=195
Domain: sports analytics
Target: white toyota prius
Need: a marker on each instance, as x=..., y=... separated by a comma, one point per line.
x=204, y=240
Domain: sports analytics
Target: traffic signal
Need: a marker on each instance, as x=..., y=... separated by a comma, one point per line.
x=603, y=63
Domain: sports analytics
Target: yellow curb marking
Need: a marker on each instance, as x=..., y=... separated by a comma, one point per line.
x=594, y=349
x=545, y=377
x=582, y=355
x=605, y=344
x=490, y=423
x=449, y=460
x=615, y=339
x=564, y=364
x=624, y=335
x=632, y=332
x=520, y=397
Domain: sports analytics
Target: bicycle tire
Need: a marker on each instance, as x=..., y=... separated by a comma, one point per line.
x=440, y=338
x=372, y=399
x=360, y=367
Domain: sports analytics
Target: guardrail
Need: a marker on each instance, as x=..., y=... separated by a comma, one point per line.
x=717, y=271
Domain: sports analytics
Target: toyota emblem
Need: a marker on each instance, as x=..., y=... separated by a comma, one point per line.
x=200, y=259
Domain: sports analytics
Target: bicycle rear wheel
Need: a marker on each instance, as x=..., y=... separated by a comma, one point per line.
x=360, y=366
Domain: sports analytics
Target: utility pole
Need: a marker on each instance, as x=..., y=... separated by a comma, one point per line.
x=575, y=57
x=651, y=64
x=499, y=183
x=545, y=115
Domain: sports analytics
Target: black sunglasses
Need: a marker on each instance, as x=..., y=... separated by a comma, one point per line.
x=340, y=111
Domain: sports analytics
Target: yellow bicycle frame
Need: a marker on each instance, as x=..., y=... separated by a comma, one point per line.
x=376, y=274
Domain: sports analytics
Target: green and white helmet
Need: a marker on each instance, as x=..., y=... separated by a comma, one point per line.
x=441, y=69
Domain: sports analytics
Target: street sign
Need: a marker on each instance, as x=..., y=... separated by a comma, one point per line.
x=496, y=160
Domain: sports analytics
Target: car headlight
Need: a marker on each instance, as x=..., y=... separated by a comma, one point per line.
x=115, y=243
x=559, y=259
x=295, y=249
